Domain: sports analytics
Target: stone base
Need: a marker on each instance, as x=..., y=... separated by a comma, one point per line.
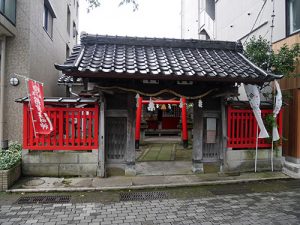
x=291, y=167
x=130, y=169
x=9, y=177
x=197, y=167
x=60, y=163
x=244, y=160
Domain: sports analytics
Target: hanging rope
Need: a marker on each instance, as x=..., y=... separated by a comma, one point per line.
x=158, y=93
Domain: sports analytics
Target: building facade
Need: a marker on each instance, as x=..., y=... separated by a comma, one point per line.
x=198, y=19
x=34, y=35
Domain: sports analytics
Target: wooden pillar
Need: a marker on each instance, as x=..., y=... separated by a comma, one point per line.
x=101, y=149
x=223, y=135
x=130, y=147
x=197, y=166
x=138, y=122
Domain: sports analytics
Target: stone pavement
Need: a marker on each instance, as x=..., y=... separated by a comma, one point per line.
x=51, y=184
x=252, y=208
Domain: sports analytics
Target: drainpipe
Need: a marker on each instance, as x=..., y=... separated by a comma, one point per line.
x=2, y=73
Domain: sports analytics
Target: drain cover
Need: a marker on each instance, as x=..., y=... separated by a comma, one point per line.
x=141, y=196
x=44, y=199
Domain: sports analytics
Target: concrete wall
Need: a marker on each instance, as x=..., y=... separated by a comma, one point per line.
x=33, y=53
x=243, y=160
x=59, y=163
x=235, y=18
x=190, y=19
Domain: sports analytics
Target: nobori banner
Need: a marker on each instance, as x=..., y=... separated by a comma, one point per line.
x=41, y=121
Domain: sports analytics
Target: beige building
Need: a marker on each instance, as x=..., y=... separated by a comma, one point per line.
x=34, y=34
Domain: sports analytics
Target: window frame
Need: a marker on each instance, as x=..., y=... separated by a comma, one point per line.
x=3, y=13
x=48, y=18
x=289, y=32
x=69, y=21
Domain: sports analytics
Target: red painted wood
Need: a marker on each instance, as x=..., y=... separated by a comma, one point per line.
x=63, y=121
x=138, y=119
x=184, y=120
x=67, y=127
x=60, y=117
x=229, y=123
x=96, y=126
x=170, y=122
x=241, y=128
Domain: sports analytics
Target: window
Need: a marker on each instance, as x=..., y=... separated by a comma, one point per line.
x=67, y=51
x=48, y=17
x=74, y=30
x=8, y=9
x=68, y=20
x=77, y=9
x=293, y=16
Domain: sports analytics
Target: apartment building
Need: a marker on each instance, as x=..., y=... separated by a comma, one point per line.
x=34, y=35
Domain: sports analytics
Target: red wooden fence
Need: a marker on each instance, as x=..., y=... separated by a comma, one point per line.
x=73, y=129
x=242, y=128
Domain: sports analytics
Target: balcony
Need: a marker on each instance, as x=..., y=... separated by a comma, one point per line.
x=7, y=17
x=207, y=24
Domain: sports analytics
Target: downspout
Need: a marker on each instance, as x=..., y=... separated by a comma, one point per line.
x=2, y=73
x=70, y=90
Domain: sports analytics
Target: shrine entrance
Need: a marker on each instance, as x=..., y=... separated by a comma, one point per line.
x=161, y=118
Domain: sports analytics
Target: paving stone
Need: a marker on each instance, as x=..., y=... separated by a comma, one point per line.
x=245, y=209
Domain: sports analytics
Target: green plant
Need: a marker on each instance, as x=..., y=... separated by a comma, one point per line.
x=10, y=157
x=282, y=62
x=270, y=122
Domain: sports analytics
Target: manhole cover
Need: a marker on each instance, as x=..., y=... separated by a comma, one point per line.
x=43, y=199
x=141, y=196
x=34, y=182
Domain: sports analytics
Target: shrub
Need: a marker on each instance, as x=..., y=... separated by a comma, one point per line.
x=10, y=157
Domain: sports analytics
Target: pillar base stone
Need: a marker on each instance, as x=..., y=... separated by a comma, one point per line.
x=197, y=167
x=130, y=170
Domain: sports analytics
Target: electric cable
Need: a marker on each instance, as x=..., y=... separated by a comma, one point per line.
x=256, y=20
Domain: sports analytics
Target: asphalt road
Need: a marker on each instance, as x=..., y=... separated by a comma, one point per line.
x=275, y=202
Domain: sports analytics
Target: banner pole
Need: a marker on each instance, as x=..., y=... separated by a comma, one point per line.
x=272, y=156
x=255, y=164
x=272, y=149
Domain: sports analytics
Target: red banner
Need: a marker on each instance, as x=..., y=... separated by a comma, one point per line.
x=41, y=121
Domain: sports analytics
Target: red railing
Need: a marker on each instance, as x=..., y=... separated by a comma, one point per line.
x=242, y=128
x=73, y=129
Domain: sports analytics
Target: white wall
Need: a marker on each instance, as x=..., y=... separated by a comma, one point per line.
x=235, y=18
x=189, y=19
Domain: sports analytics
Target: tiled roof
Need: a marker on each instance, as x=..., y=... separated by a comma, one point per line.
x=157, y=58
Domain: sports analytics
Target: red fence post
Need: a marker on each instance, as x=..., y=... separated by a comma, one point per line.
x=73, y=129
x=184, y=123
x=138, y=122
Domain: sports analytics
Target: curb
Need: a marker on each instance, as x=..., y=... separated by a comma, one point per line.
x=138, y=187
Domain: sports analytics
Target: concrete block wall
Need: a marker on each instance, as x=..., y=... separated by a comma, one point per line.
x=60, y=163
x=9, y=177
x=244, y=160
